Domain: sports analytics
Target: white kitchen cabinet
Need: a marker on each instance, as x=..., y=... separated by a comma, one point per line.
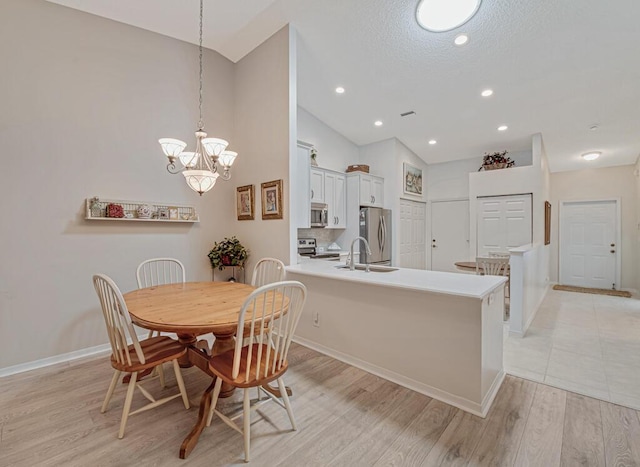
x=336, y=199
x=371, y=190
x=317, y=193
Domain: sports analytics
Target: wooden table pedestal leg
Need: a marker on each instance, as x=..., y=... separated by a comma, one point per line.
x=192, y=438
x=188, y=340
x=223, y=343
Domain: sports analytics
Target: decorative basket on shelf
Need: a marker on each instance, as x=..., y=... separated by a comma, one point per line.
x=496, y=160
x=358, y=168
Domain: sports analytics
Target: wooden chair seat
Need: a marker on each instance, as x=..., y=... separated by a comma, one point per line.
x=157, y=350
x=222, y=366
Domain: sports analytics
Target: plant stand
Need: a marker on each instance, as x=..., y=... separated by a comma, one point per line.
x=235, y=277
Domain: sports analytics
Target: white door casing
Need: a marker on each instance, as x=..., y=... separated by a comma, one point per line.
x=413, y=252
x=589, y=243
x=449, y=234
x=503, y=222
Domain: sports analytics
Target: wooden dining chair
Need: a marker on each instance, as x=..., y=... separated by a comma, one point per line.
x=159, y=271
x=267, y=271
x=271, y=314
x=137, y=356
x=492, y=266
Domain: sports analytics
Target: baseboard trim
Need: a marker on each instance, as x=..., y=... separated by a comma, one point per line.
x=62, y=358
x=463, y=404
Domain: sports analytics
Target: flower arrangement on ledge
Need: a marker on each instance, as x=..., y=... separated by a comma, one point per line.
x=496, y=160
x=229, y=252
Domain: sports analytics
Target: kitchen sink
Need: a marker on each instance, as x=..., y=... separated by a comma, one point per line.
x=372, y=268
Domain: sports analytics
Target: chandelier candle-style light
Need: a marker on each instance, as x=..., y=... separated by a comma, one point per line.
x=201, y=167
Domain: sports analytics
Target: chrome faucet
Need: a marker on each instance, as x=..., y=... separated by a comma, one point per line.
x=352, y=263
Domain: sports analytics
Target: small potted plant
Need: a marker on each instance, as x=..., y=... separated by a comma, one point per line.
x=228, y=252
x=496, y=160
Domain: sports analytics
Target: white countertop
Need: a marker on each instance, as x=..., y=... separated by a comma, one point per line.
x=449, y=283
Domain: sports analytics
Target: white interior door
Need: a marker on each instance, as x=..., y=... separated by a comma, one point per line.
x=449, y=234
x=413, y=252
x=503, y=222
x=589, y=244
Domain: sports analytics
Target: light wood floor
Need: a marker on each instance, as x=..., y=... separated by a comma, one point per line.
x=346, y=417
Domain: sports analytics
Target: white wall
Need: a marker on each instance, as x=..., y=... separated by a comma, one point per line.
x=263, y=129
x=592, y=184
x=84, y=104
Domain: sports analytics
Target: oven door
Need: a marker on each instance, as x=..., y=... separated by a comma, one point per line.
x=319, y=215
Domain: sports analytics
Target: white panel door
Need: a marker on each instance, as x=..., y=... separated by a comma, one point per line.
x=449, y=234
x=503, y=222
x=588, y=250
x=412, y=235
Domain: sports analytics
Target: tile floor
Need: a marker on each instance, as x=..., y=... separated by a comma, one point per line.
x=584, y=343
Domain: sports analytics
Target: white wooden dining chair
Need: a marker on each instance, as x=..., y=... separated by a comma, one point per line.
x=159, y=271
x=270, y=314
x=137, y=356
x=267, y=271
x=492, y=266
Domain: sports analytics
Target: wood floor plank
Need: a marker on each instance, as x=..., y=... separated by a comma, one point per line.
x=505, y=424
x=416, y=440
x=541, y=442
x=459, y=440
x=621, y=432
x=582, y=440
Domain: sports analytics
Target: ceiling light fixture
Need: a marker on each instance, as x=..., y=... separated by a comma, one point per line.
x=432, y=141
x=503, y=128
x=340, y=90
x=487, y=93
x=200, y=168
x=461, y=39
x=445, y=15
x=377, y=123
x=591, y=156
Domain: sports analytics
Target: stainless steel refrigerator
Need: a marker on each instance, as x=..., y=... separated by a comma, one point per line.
x=375, y=226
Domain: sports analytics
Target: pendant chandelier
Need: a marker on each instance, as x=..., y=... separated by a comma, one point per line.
x=201, y=168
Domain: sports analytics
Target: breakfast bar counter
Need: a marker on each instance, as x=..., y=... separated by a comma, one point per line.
x=434, y=332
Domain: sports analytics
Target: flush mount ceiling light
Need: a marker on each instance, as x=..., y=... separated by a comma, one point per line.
x=461, y=39
x=445, y=15
x=432, y=141
x=377, y=123
x=503, y=128
x=340, y=90
x=200, y=168
x=487, y=93
x=591, y=156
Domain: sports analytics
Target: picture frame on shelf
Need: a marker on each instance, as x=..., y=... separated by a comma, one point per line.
x=163, y=213
x=272, y=207
x=245, y=203
x=412, y=180
x=173, y=213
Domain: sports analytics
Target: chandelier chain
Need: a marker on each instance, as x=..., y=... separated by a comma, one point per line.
x=200, y=122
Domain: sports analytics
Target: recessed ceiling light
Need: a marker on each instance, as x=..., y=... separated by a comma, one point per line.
x=432, y=141
x=461, y=39
x=445, y=15
x=340, y=90
x=503, y=128
x=591, y=156
x=487, y=93
x=377, y=123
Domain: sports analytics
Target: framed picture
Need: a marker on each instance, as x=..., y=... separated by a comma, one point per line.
x=547, y=222
x=245, y=203
x=163, y=213
x=173, y=213
x=272, y=200
x=412, y=181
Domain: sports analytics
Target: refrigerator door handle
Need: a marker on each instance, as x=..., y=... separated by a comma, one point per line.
x=380, y=235
x=384, y=232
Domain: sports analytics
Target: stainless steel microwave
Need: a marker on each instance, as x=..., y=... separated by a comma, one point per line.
x=319, y=215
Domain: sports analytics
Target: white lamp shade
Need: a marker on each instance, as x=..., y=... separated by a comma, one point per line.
x=227, y=157
x=189, y=159
x=200, y=181
x=214, y=146
x=172, y=147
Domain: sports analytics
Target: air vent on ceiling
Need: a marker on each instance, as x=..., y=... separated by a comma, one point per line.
x=406, y=114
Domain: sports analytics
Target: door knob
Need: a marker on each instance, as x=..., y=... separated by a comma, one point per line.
x=613, y=244
x=434, y=246
x=613, y=251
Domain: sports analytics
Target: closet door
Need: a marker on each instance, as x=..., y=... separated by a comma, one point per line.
x=412, y=235
x=503, y=222
x=449, y=234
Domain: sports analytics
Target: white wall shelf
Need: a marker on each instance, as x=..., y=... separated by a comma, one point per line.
x=176, y=213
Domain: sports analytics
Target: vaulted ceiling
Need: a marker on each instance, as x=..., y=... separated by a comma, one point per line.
x=556, y=67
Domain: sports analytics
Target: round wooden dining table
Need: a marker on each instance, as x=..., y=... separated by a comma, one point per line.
x=192, y=309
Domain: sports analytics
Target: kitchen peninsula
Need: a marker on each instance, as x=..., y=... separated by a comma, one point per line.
x=437, y=333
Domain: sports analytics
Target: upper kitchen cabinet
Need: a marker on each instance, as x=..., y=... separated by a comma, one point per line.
x=335, y=196
x=371, y=190
x=317, y=186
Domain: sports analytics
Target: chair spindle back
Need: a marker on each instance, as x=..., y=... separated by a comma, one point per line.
x=492, y=266
x=267, y=271
x=160, y=271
